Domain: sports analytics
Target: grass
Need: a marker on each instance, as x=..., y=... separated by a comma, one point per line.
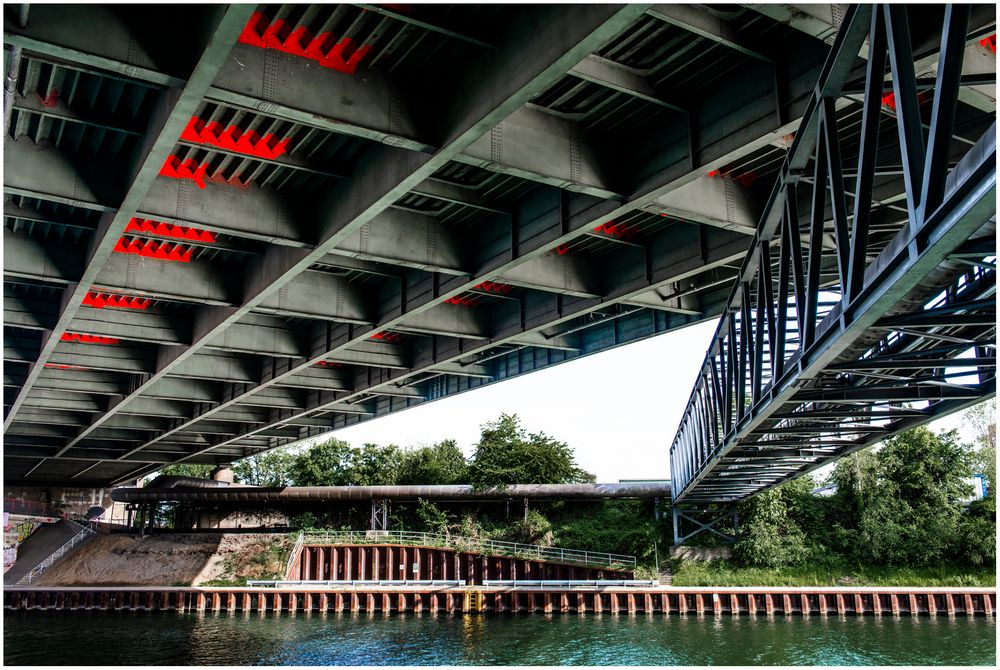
x=724, y=573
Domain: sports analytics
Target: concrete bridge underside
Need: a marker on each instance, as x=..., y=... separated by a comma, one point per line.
x=466, y=194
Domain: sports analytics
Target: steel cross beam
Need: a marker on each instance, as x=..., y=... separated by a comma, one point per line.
x=527, y=63
x=758, y=389
x=176, y=108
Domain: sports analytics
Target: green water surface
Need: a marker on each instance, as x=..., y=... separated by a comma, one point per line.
x=139, y=638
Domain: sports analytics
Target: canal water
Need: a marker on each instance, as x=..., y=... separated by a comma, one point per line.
x=126, y=638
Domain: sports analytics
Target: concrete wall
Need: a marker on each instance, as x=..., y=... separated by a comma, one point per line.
x=701, y=553
x=77, y=500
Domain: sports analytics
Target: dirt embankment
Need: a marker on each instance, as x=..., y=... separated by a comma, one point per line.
x=170, y=560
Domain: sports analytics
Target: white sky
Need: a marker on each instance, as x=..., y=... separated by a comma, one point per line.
x=617, y=409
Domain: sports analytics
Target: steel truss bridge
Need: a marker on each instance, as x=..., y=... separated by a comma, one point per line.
x=229, y=228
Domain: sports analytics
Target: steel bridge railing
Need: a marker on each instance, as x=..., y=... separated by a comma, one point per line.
x=852, y=321
x=84, y=534
x=477, y=545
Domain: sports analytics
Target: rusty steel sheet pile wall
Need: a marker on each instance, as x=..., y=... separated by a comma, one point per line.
x=394, y=562
x=684, y=601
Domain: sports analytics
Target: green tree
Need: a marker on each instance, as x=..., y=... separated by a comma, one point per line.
x=902, y=504
x=982, y=419
x=325, y=464
x=269, y=468
x=508, y=454
x=374, y=465
x=770, y=530
x=195, y=470
x=442, y=463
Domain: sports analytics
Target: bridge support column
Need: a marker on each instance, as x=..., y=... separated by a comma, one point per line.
x=702, y=522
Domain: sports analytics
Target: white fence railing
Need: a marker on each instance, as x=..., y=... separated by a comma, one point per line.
x=477, y=545
x=85, y=532
x=570, y=583
x=313, y=583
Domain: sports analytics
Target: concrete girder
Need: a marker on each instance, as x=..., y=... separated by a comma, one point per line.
x=171, y=115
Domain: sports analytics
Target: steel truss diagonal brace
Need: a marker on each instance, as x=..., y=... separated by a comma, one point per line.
x=680, y=515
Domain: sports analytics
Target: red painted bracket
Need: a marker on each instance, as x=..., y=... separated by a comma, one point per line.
x=613, y=229
x=189, y=169
x=234, y=139
x=52, y=98
x=88, y=339
x=325, y=49
x=744, y=179
x=386, y=336
x=328, y=364
x=59, y=366
x=990, y=42
x=161, y=229
x=463, y=301
x=494, y=287
x=102, y=300
x=163, y=251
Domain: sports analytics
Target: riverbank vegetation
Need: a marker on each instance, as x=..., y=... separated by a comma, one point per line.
x=899, y=514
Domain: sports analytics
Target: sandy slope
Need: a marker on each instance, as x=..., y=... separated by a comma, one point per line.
x=160, y=560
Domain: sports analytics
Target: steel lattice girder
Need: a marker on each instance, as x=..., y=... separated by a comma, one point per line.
x=860, y=360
